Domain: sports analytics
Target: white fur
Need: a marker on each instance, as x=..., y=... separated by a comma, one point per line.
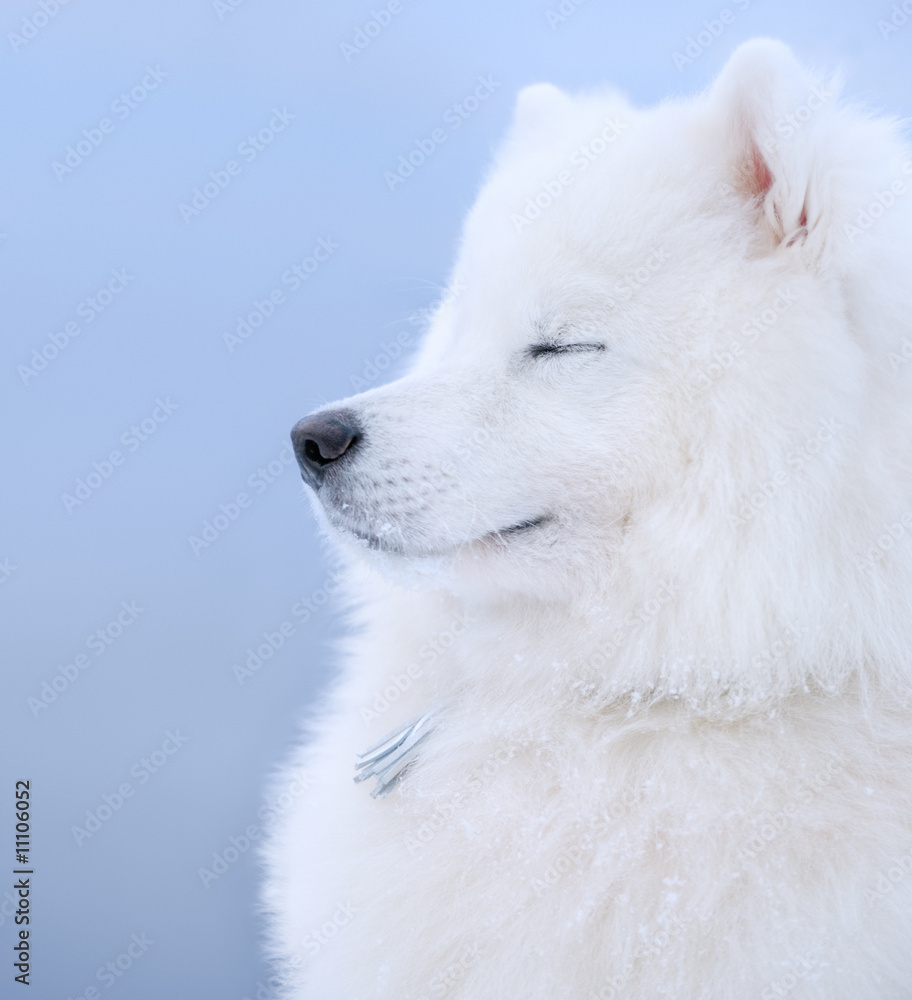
x=676, y=754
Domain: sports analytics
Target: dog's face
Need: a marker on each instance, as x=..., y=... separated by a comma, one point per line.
x=513, y=443
x=579, y=383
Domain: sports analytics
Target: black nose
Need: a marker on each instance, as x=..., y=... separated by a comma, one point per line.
x=322, y=439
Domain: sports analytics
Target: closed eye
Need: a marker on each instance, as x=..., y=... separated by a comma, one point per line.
x=543, y=350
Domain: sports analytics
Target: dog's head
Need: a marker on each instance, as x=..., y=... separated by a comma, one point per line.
x=653, y=313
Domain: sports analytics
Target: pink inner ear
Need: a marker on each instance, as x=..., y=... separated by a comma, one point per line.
x=759, y=178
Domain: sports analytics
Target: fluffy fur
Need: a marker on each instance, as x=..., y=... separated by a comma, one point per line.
x=638, y=518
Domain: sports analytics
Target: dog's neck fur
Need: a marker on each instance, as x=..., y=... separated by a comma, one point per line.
x=646, y=641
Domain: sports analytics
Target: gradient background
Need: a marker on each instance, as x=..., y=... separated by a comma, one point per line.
x=163, y=337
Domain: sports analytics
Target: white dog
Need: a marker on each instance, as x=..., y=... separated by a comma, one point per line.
x=632, y=573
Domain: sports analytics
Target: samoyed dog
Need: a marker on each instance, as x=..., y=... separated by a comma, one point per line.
x=629, y=688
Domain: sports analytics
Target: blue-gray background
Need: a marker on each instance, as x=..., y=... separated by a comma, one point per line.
x=65, y=572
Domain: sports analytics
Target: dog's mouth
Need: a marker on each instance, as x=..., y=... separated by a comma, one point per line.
x=389, y=540
x=520, y=527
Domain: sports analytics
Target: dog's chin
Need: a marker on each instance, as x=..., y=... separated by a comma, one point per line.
x=508, y=561
x=394, y=544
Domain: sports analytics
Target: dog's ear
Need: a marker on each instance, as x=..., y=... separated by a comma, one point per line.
x=540, y=109
x=775, y=118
